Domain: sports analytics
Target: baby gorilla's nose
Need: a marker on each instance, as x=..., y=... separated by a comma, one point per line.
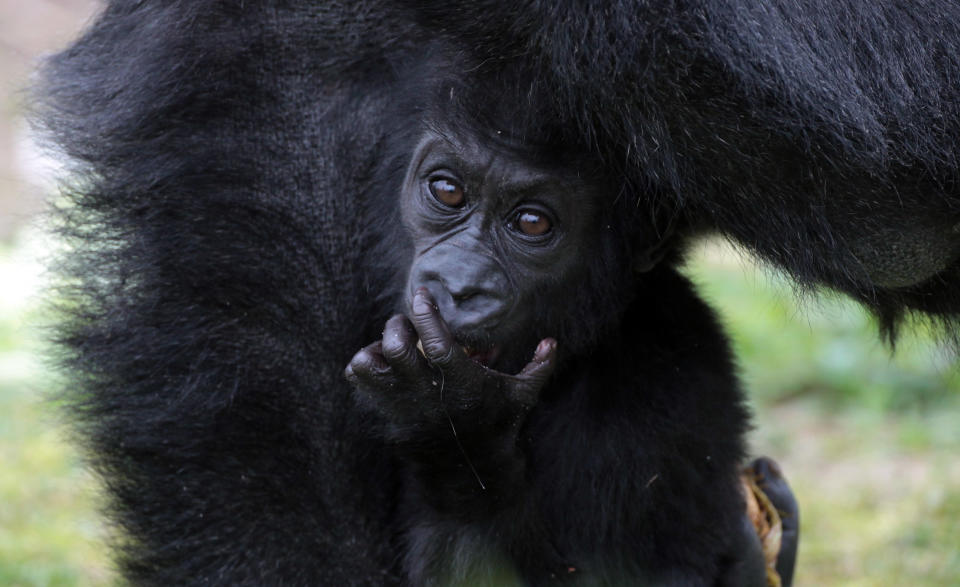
x=465, y=305
x=470, y=288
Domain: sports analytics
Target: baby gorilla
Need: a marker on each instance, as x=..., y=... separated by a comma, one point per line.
x=613, y=455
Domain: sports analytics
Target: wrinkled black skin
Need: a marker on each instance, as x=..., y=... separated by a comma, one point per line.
x=236, y=239
x=770, y=479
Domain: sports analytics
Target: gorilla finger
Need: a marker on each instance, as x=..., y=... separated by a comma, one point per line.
x=435, y=338
x=400, y=343
x=368, y=363
x=774, y=485
x=770, y=478
x=537, y=372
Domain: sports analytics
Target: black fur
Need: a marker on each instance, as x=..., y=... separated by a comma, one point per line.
x=229, y=213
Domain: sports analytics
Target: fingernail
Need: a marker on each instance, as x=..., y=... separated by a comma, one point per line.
x=421, y=304
x=545, y=346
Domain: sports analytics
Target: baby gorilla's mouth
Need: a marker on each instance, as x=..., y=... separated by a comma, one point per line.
x=476, y=354
x=482, y=356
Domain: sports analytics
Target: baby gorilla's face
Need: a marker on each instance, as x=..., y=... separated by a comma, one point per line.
x=496, y=241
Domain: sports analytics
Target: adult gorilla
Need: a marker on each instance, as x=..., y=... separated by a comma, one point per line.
x=232, y=250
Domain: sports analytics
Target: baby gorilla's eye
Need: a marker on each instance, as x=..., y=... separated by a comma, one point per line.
x=447, y=192
x=532, y=223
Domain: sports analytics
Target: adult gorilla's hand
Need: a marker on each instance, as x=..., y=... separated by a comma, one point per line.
x=442, y=398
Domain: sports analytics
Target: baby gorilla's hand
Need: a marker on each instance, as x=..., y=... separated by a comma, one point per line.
x=418, y=393
x=442, y=409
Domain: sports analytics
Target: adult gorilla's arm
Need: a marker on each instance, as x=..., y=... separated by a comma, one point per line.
x=213, y=295
x=821, y=134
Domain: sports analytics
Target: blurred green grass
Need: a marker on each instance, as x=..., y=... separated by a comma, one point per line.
x=870, y=443
x=50, y=533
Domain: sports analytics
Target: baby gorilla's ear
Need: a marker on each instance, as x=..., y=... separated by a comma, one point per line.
x=654, y=236
x=650, y=249
x=647, y=259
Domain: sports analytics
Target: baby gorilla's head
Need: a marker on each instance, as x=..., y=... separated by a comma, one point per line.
x=513, y=247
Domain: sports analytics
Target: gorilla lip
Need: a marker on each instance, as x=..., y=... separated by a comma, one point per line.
x=484, y=357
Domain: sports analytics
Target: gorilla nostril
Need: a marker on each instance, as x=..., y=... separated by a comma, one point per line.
x=464, y=297
x=477, y=301
x=465, y=292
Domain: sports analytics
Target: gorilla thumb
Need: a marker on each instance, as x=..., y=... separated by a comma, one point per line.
x=533, y=377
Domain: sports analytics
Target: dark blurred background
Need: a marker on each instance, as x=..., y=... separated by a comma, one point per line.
x=869, y=441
